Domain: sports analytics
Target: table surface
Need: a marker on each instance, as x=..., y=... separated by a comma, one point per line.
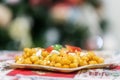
x=23, y=74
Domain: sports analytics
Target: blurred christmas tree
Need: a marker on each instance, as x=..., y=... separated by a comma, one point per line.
x=40, y=13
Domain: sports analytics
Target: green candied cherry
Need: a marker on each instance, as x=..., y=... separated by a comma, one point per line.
x=57, y=47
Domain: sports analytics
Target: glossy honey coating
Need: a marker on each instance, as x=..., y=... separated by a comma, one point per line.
x=60, y=59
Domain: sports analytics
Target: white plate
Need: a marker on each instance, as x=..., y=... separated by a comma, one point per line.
x=50, y=68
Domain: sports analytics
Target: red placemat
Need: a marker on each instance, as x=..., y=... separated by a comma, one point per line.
x=40, y=73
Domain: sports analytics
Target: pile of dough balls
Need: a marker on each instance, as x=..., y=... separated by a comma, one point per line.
x=61, y=59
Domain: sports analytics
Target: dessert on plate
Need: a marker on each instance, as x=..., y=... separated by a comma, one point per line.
x=58, y=56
